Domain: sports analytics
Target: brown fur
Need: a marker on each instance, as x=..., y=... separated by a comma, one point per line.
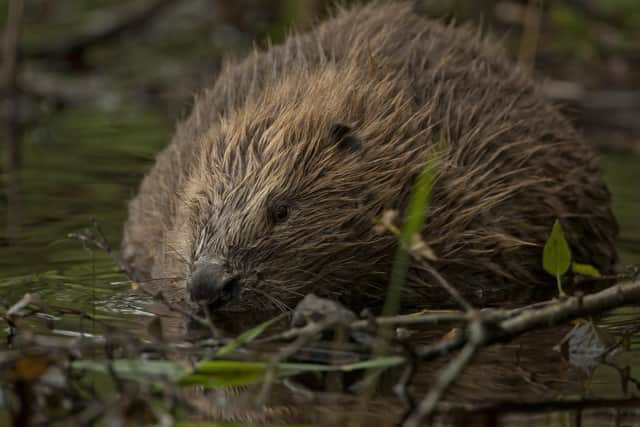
x=510, y=166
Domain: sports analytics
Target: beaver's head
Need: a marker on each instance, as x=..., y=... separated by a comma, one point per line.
x=281, y=200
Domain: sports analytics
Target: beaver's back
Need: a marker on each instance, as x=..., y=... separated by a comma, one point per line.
x=512, y=164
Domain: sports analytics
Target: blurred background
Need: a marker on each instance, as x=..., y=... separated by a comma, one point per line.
x=90, y=91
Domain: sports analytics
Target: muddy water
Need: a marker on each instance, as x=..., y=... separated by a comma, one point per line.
x=80, y=166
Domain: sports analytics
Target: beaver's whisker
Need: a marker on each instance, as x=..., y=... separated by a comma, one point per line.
x=275, y=301
x=289, y=287
x=316, y=276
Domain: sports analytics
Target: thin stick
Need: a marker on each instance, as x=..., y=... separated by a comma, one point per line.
x=424, y=411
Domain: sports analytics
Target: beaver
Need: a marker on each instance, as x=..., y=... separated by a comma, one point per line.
x=269, y=187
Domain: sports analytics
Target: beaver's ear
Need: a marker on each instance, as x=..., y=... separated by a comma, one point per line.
x=343, y=137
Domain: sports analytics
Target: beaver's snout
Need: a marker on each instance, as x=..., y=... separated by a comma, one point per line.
x=211, y=284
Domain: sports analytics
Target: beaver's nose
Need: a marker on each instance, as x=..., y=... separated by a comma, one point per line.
x=212, y=285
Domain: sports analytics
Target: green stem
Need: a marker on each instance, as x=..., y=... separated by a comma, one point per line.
x=560, y=290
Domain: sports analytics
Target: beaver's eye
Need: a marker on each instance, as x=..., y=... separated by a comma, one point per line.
x=279, y=214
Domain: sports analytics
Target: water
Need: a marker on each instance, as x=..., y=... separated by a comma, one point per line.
x=78, y=166
x=83, y=165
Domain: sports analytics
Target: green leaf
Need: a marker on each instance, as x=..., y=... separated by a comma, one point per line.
x=587, y=270
x=556, y=257
x=247, y=336
x=378, y=362
x=227, y=373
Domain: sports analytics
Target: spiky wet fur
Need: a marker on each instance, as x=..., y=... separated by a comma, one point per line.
x=510, y=166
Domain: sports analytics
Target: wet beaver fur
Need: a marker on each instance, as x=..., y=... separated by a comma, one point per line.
x=268, y=189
